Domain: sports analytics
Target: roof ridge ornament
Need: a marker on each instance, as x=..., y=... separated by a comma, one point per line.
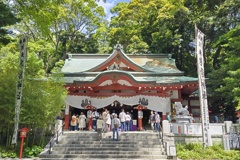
x=114, y=66
x=118, y=46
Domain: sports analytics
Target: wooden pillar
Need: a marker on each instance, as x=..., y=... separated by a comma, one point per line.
x=140, y=116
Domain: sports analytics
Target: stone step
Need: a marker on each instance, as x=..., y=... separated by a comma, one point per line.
x=110, y=145
x=110, y=152
x=108, y=135
x=135, y=139
x=62, y=149
x=110, y=138
x=89, y=134
x=156, y=142
x=100, y=159
x=84, y=145
x=103, y=156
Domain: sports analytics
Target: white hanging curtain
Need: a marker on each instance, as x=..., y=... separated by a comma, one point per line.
x=160, y=104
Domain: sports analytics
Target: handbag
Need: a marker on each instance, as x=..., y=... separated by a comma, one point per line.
x=116, y=125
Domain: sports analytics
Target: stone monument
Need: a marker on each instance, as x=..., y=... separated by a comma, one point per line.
x=182, y=113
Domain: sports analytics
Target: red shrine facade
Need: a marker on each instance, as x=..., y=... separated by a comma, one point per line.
x=126, y=81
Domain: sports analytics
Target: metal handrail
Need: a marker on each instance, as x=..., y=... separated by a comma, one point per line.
x=55, y=138
x=159, y=133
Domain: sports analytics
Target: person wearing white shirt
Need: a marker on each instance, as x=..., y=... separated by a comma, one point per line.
x=128, y=119
x=122, y=117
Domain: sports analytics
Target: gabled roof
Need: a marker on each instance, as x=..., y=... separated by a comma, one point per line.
x=156, y=63
x=144, y=68
x=118, y=56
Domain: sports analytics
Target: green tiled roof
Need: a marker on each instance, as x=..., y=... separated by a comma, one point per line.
x=158, y=80
x=138, y=77
x=86, y=62
x=80, y=65
x=158, y=68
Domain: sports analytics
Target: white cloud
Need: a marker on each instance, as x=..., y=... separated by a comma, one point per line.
x=107, y=6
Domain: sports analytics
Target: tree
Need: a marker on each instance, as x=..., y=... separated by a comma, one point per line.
x=168, y=27
x=6, y=18
x=69, y=25
x=227, y=87
x=223, y=55
x=43, y=98
x=8, y=78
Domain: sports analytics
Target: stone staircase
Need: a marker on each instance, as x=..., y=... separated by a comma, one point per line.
x=75, y=145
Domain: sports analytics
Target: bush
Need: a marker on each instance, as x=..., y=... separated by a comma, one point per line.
x=197, y=152
x=5, y=154
x=32, y=152
x=27, y=152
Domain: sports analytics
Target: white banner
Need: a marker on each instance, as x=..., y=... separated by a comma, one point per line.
x=202, y=88
x=19, y=87
x=160, y=104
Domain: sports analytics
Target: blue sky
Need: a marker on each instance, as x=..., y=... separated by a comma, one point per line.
x=110, y=4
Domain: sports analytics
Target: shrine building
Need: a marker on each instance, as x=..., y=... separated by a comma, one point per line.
x=115, y=81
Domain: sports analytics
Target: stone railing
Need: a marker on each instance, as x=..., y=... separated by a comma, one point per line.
x=196, y=128
x=190, y=132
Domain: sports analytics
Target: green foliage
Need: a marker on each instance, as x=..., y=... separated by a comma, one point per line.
x=28, y=152
x=6, y=18
x=43, y=97
x=225, y=78
x=197, y=152
x=8, y=77
x=32, y=152
x=6, y=152
x=151, y=21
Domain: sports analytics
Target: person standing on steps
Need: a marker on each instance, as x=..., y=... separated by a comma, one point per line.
x=112, y=118
x=77, y=119
x=128, y=119
x=151, y=120
x=169, y=117
x=73, y=123
x=122, y=117
x=104, y=117
x=157, y=122
x=95, y=116
x=116, y=124
x=131, y=121
x=108, y=121
x=100, y=124
x=82, y=121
